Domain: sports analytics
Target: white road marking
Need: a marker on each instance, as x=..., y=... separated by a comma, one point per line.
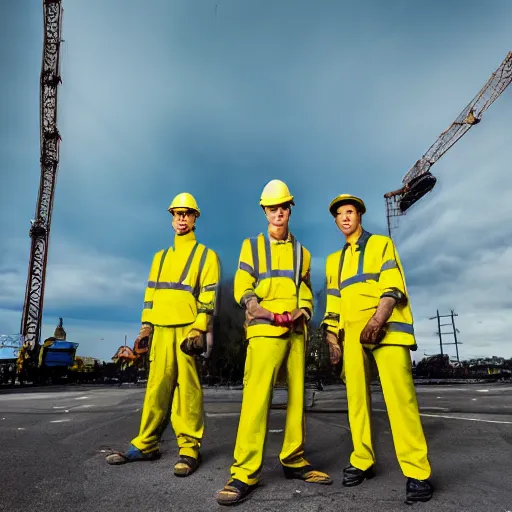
x=21, y=428
x=467, y=419
x=58, y=421
x=81, y=398
x=59, y=406
x=217, y=414
x=482, y=390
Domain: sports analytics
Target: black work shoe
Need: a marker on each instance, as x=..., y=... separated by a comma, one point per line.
x=353, y=476
x=418, y=490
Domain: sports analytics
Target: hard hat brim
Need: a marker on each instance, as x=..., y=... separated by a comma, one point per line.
x=344, y=199
x=171, y=210
x=277, y=202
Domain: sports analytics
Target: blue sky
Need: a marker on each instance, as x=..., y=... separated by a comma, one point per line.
x=218, y=97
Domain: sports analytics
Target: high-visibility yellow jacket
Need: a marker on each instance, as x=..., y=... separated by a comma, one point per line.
x=278, y=274
x=356, y=278
x=182, y=285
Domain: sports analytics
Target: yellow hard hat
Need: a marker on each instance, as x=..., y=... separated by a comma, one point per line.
x=275, y=192
x=346, y=199
x=184, y=200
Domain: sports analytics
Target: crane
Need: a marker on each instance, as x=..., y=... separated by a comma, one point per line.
x=419, y=181
x=49, y=141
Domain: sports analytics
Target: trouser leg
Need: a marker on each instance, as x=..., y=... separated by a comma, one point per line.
x=292, y=452
x=264, y=358
x=355, y=364
x=162, y=376
x=187, y=414
x=394, y=364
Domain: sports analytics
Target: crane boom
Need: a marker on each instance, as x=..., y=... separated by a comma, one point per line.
x=49, y=141
x=419, y=181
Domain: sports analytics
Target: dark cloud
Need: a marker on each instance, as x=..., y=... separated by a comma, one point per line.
x=332, y=99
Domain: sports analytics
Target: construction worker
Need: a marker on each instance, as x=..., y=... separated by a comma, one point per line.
x=368, y=314
x=179, y=305
x=272, y=283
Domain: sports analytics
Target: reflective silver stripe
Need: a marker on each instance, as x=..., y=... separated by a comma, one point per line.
x=209, y=288
x=170, y=285
x=246, y=267
x=361, y=278
x=332, y=316
x=388, y=265
x=333, y=291
x=297, y=267
x=186, y=269
x=148, y=304
x=255, y=257
x=162, y=259
x=277, y=273
x=259, y=321
x=400, y=327
x=208, y=311
x=268, y=254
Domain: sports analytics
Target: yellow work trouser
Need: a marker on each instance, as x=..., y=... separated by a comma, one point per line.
x=394, y=365
x=264, y=358
x=170, y=369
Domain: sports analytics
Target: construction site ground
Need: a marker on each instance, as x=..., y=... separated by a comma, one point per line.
x=54, y=441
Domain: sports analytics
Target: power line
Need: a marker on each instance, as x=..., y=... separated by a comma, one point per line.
x=454, y=331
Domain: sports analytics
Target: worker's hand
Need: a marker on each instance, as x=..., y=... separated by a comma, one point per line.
x=297, y=314
x=299, y=317
x=306, y=314
x=283, y=319
x=254, y=310
x=372, y=333
x=209, y=346
x=141, y=345
x=194, y=343
x=335, y=350
x=145, y=331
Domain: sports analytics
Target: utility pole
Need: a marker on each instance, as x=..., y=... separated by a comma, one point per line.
x=454, y=332
x=439, y=332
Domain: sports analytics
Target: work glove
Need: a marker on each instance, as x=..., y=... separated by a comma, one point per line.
x=335, y=350
x=374, y=332
x=254, y=310
x=194, y=344
x=142, y=341
x=141, y=345
x=299, y=317
x=145, y=331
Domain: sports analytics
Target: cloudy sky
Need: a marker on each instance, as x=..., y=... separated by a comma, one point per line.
x=218, y=97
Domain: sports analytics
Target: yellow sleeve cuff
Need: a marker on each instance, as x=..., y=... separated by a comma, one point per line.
x=201, y=322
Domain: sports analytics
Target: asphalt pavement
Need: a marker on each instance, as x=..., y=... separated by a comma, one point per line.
x=54, y=441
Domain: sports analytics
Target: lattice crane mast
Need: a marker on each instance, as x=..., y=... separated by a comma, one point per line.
x=50, y=138
x=419, y=181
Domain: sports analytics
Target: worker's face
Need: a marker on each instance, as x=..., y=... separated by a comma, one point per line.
x=183, y=221
x=348, y=219
x=278, y=216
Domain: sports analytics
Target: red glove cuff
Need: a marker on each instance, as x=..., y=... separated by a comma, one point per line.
x=284, y=319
